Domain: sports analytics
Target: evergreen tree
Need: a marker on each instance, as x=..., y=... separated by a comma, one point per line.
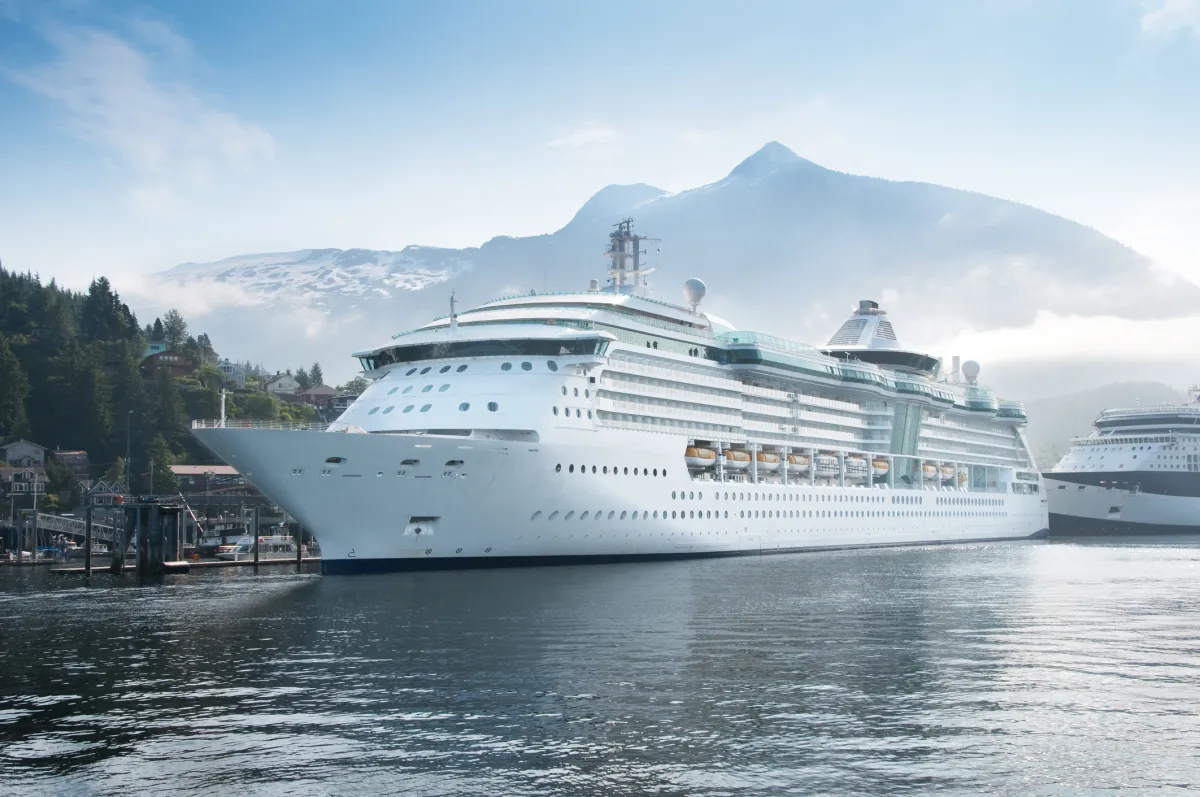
x=303, y=379
x=261, y=407
x=355, y=387
x=157, y=333
x=14, y=390
x=161, y=457
x=315, y=374
x=174, y=329
x=165, y=410
x=116, y=473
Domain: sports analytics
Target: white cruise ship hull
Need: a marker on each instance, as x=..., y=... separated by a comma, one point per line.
x=470, y=502
x=1086, y=503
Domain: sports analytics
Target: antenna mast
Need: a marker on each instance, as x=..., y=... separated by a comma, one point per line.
x=626, y=274
x=453, y=314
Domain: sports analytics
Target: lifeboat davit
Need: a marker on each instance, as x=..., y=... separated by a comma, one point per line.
x=699, y=458
x=827, y=466
x=797, y=463
x=767, y=461
x=737, y=460
x=879, y=468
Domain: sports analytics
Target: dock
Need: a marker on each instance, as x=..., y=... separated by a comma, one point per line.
x=184, y=566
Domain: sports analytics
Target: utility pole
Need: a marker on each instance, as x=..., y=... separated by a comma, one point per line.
x=128, y=449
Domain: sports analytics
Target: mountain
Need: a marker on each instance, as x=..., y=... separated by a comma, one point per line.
x=783, y=243
x=1055, y=420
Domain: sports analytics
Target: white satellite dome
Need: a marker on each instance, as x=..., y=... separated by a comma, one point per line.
x=693, y=291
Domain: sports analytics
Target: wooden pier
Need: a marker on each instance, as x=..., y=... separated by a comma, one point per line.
x=183, y=566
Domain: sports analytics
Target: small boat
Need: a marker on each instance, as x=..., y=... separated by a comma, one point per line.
x=929, y=471
x=879, y=467
x=856, y=467
x=948, y=473
x=828, y=466
x=768, y=461
x=737, y=460
x=797, y=463
x=276, y=546
x=74, y=551
x=699, y=458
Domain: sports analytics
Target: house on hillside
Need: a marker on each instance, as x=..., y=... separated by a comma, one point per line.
x=77, y=462
x=235, y=373
x=172, y=362
x=154, y=347
x=282, y=384
x=24, y=454
x=314, y=396
x=332, y=407
x=209, y=479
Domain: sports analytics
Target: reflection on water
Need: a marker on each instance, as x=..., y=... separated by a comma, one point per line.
x=1005, y=669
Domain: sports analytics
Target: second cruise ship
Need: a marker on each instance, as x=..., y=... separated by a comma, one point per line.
x=1137, y=473
x=606, y=425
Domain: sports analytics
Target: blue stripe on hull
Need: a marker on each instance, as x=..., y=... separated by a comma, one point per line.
x=1074, y=526
x=339, y=567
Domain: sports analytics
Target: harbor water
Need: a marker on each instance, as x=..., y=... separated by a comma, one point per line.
x=1025, y=669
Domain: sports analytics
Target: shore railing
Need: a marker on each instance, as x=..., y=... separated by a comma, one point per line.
x=216, y=423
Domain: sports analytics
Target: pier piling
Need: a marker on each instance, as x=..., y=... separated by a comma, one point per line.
x=254, y=531
x=87, y=543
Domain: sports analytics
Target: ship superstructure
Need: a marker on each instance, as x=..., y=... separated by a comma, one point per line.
x=607, y=425
x=1137, y=473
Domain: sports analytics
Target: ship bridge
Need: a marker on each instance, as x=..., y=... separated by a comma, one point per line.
x=868, y=336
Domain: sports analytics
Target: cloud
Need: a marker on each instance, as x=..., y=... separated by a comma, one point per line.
x=591, y=134
x=1169, y=17
x=130, y=101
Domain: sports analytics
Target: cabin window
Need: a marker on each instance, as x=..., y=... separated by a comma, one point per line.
x=425, y=408
x=464, y=406
x=443, y=388
x=493, y=406
x=408, y=408
x=504, y=366
x=460, y=369
x=526, y=366
x=553, y=366
x=389, y=409
x=373, y=411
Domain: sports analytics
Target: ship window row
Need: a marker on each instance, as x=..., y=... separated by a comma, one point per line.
x=566, y=412
x=767, y=514
x=480, y=348
x=672, y=425
x=424, y=389
x=463, y=407
x=616, y=471
x=586, y=393
x=680, y=388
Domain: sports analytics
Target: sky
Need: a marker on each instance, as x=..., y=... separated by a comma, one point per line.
x=136, y=136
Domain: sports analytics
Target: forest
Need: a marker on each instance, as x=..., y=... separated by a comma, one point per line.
x=71, y=377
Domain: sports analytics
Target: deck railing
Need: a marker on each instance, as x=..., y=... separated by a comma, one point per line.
x=214, y=423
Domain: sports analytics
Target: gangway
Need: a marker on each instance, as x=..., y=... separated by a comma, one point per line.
x=73, y=527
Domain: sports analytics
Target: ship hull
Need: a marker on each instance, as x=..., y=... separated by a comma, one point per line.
x=1090, y=504
x=384, y=502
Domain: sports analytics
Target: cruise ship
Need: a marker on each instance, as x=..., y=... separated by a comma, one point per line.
x=606, y=425
x=1137, y=473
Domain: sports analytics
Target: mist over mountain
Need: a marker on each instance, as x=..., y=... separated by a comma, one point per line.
x=785, y=246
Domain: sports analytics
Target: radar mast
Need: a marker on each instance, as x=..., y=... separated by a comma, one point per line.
x=626, y=274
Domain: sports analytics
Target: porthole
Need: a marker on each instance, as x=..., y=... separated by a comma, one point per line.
x=389, y=409
x=443, y=369
x=427, y=388
x=553, y=366
x=393, y=390
x=576, y=391
x=611, y=514
x=656, y=471
x=584, y=516
x=578, y=414
x=604, y=470
x=627, y=471
x=635, y=471
x=589, y=415
x=570, y=515
x=672, y=515
x=593, y=469
x=570, y=469
x=526, y=366
x=425, y=370
x=335, y=460
x=408, y=408
x=493, y=406
x=464, y=406
x=564, y=390
x=536, y=515
x=587, y=393
x=558, y=468
x=425, y=407
x=410, y=372
x=691, y=496
x=407, y=389
x=505, y=366
x=459, y=370
x=556, y=410
x=553, y=515
x=443, y=388
x=373, y=411
x=623, y=514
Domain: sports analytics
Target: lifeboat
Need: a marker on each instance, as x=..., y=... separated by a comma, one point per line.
x=797, y=463
x=856, y=467
x=827, y=466
x=963, y=477
x=879, y=467
x=947, y=473
x=767, y=461
x=929, y=471
x=699, y=458
x=737, y=460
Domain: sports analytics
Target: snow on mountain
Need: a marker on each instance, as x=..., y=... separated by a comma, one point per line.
x=783, y=243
